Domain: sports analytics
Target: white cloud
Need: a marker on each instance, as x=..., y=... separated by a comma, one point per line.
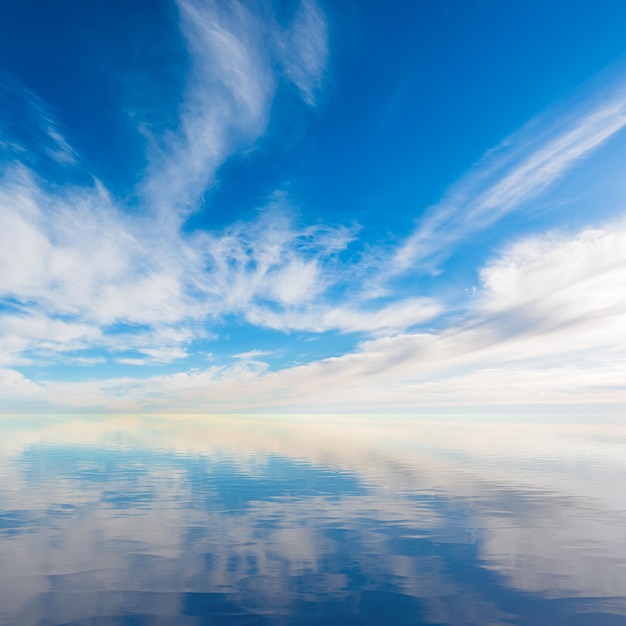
x=25, y=332
x=303, y=49
x=131, y=361
x=73, y=252
x=264, y=258
x=226, y=103
x=252, y=354
x=84, y=360
x=35, y=124
x=565, y=279
x=229, y=95
x=393, y=317
x=546, y=328
x=75, y=265
x=520, y=169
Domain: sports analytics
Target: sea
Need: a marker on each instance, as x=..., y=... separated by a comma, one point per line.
x=189, y=520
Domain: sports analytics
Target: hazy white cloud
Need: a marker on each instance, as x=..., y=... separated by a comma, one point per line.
x=74, y=252
x=76, y=267
x=547, y=327
x=38, y=332
x=392, y=317
x=560, y=278
x=131, y=361
x=83, y=360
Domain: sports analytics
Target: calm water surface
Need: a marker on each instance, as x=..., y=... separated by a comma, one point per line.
x=290, y=520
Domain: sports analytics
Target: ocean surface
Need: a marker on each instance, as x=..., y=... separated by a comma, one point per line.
x=197, y=520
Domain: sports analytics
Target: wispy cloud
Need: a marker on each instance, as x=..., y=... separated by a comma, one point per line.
x=520, y=169
x=547, y=327
x=271, y=258
x=28, y=127
x=76, y=264
x=303, y=49
x=234, y=48
x=76, y=268
x=252, y=354
x=345, y=318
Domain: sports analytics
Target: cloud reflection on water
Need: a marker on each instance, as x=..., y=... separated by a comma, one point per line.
x=273, y=520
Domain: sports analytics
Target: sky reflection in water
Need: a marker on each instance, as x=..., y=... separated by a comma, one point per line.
x=206, y=520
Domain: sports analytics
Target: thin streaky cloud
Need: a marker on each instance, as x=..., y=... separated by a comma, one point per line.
x=252, y=354
x=525, y=166
x=25, y=119
x=303, y=49
x=227, y=103
x=344, y=318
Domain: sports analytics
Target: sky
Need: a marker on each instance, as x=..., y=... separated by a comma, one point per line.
x=302, y=206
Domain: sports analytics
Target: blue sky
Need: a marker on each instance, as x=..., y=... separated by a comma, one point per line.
x=300, y=206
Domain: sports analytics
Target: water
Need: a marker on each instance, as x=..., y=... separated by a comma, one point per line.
x=289, y=520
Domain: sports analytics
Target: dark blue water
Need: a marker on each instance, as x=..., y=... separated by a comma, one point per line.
x=205, y=520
